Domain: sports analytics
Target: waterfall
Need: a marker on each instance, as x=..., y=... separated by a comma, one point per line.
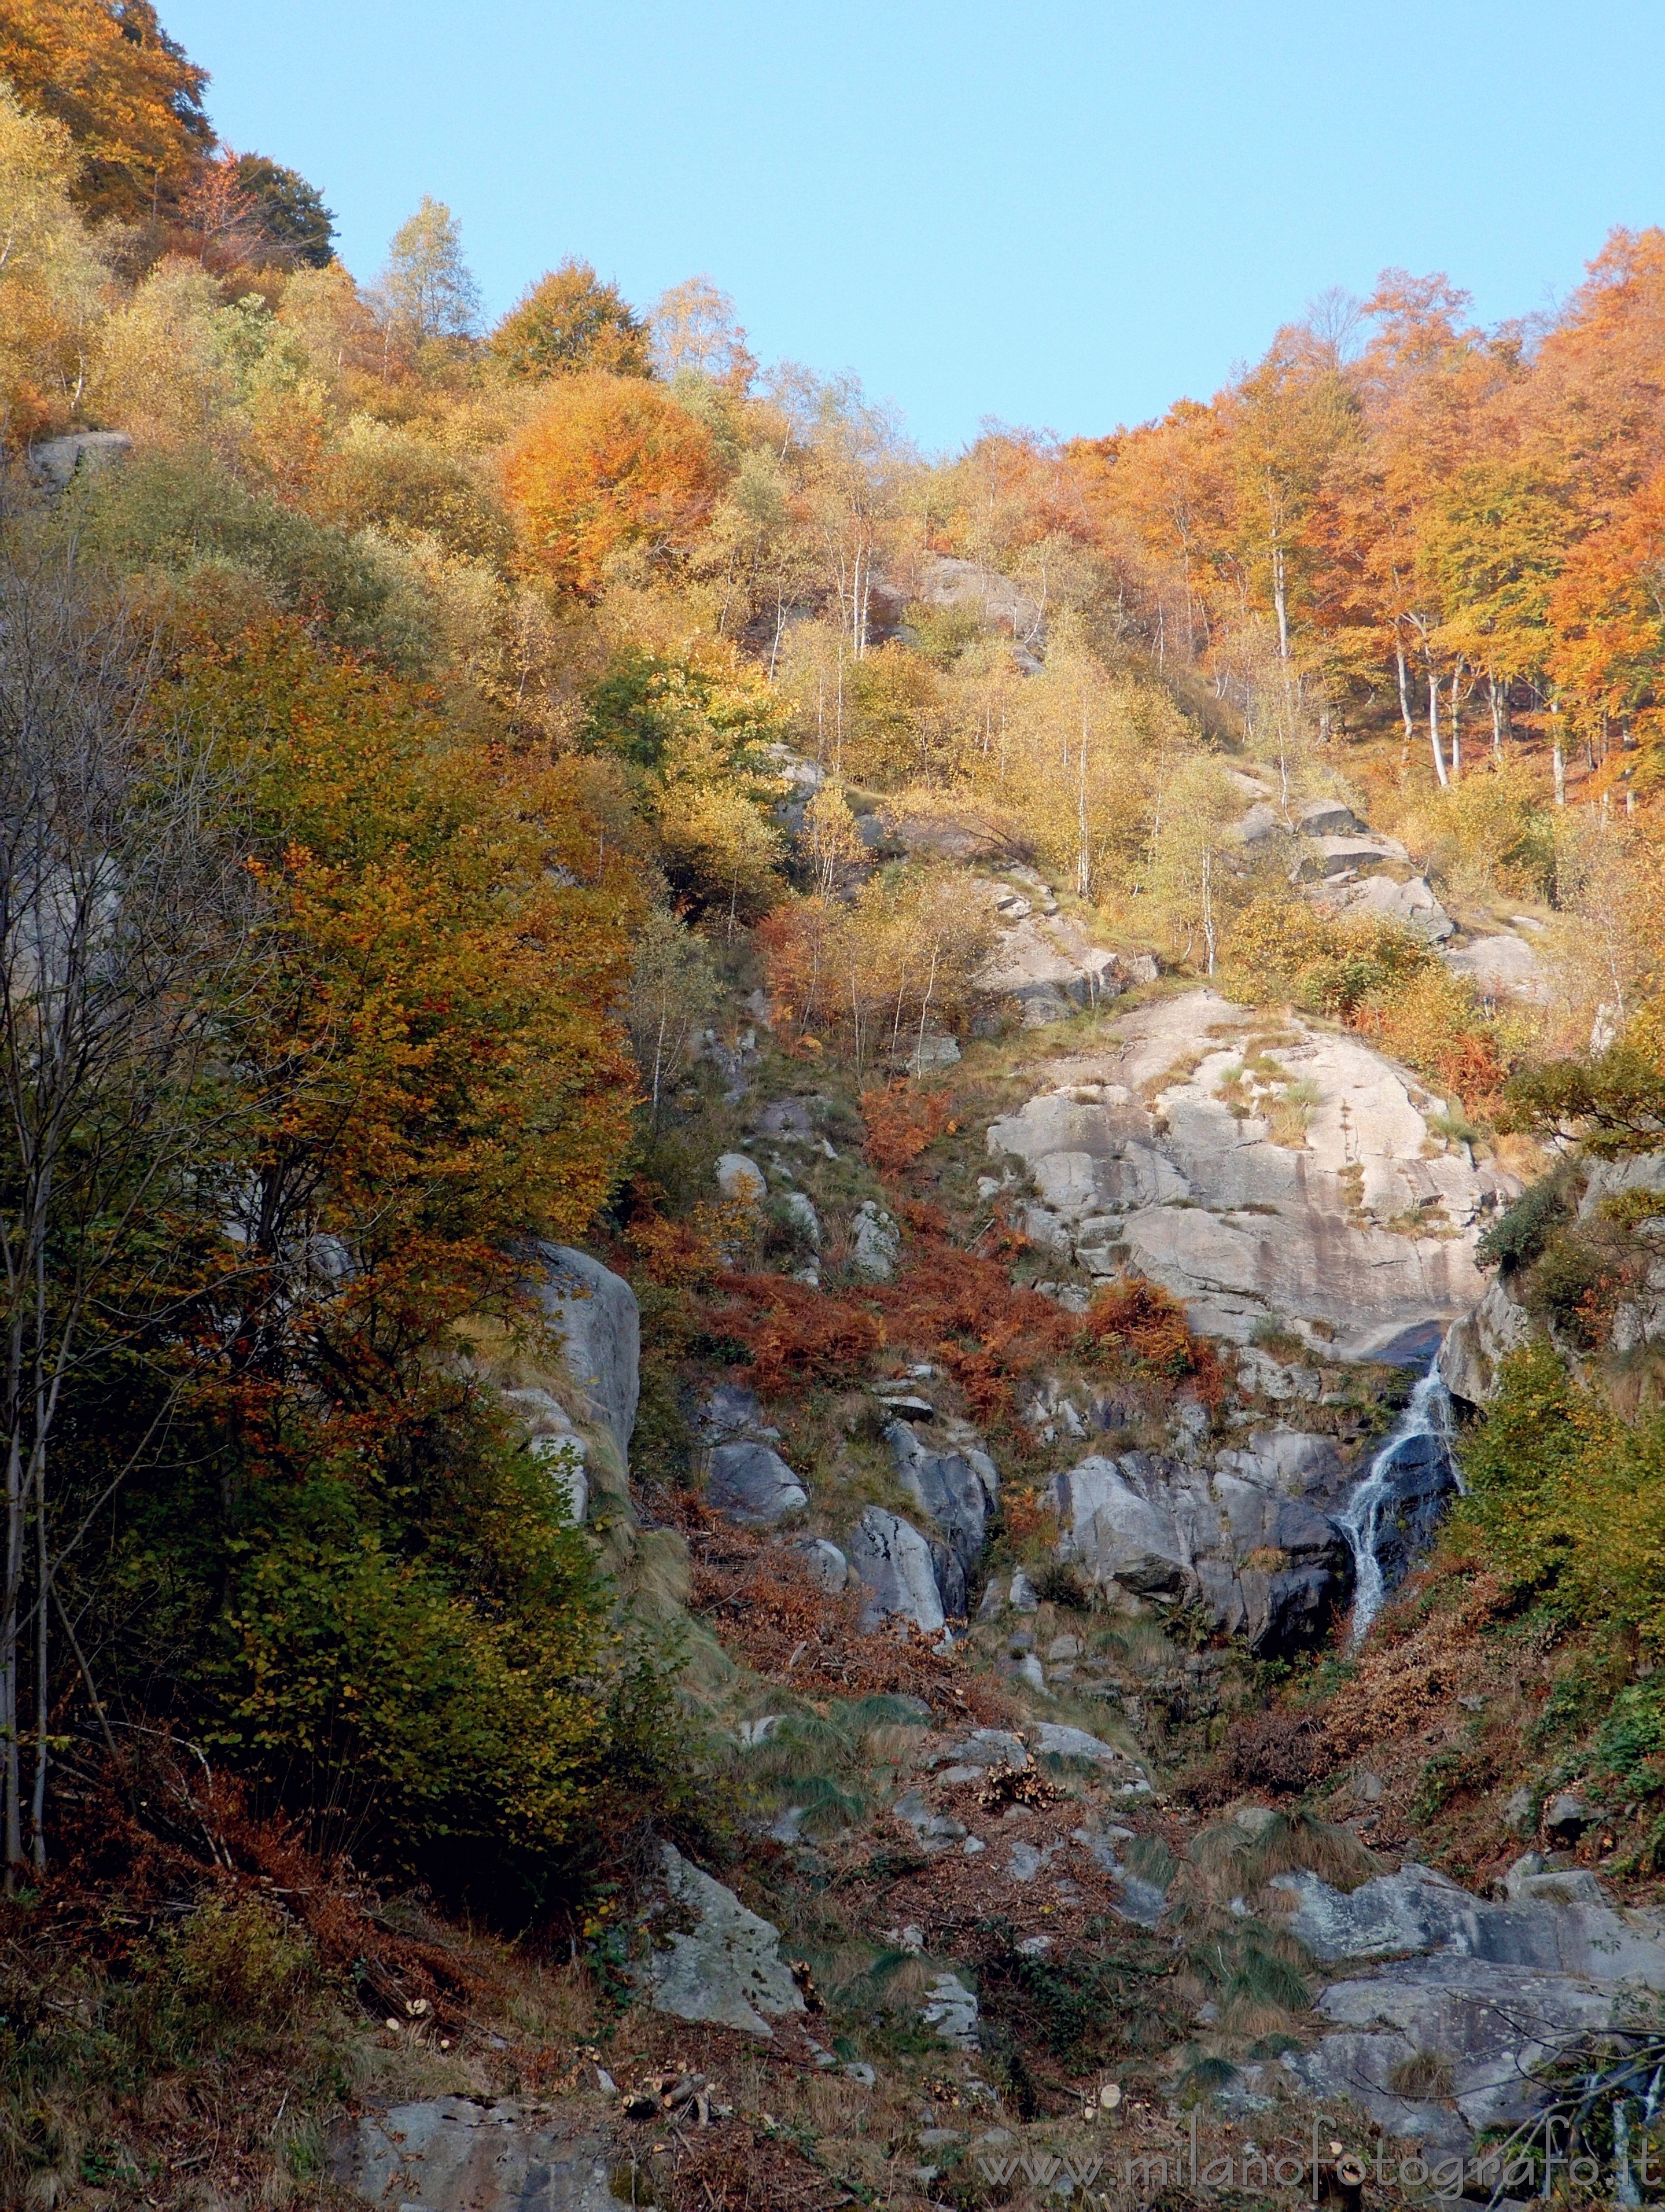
x=1393, y=1514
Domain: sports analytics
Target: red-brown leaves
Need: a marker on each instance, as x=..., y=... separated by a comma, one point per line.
x=1135, y=1321
x=796, y=1335
x=902, y=1121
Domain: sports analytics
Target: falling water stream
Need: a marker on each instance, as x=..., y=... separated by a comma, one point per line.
x=1425, y=1423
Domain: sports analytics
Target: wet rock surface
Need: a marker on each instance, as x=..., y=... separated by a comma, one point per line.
x=1250, y=1538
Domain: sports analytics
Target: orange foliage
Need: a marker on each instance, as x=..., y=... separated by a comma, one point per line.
x=902, y=1121
x=613, y=462
x=681, y=1255
x=767, y=1611
x=796, y=1335
x=128, y=96
x=1136, y=1320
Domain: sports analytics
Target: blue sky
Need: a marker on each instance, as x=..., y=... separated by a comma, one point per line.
x=1060, y=214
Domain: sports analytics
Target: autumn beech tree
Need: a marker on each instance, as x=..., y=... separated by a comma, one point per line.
x=613, y=463
x=125, y=92
x=570, y=322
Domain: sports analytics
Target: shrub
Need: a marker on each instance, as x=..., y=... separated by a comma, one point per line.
x=1517, y=1237
x=1565, y=1501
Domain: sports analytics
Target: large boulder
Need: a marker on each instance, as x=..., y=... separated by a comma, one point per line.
x=1116, y=1535
x=596, y=1315
x=752, y=1484
x=1344, y=1214
x=1502, y=967
x=1491, y=1990
x=892, y=1562
x=1410, y=905
x=726, y=1967
x=57, y=461
x=457, y=2154
x=875, y=1240
x=1048, y=967
x=1252, y=1537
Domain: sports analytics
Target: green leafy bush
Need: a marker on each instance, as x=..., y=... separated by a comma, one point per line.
x=1517, y=1237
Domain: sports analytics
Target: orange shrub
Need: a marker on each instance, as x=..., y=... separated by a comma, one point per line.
x=902, y=1121
x=1136, y=1320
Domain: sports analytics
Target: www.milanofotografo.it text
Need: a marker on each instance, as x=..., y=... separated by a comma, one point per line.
x=1529, y=2163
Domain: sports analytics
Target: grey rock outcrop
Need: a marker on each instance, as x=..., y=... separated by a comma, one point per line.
x=728, y=1968
x=892, y=1561
x=952, y=2009
x=1410, y=903
x=741, y=1179
x=1120, y=1536
x=56, y=461
x=1358, y=1226
x=454, y=2155
x=828, y=1568
x=595, y=1312
x=1477, y=1343
x=875, y=1240
x=1502, y=967
x=752, y=1485
x=1327, y=818
x=729, y=1411
x=552, y=1439
x=1049, y=968
x=1489, y=1989
x=958, y=1490
x=1250, y=1537
x=799, y=1209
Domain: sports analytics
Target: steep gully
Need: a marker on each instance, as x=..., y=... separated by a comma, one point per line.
x=1287, y=1183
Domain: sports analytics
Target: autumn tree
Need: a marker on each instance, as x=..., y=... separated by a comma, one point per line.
x=53, y=286
x=427, y=291
x=570, y=322
x=125, y=92
x=694, y=331
x=613, y=463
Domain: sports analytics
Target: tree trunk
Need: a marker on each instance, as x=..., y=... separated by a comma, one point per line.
x=1456, y=725
x=1404, y=695
x=1281, y=602
x=1084, y=857
x=1433, y=729
x=1496, y=720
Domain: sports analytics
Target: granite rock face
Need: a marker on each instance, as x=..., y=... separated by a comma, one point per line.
x=728, y=1968
x=1488, y=1989
x=957, y=1490
x=752, y=1484
x=892, y=1562
x=452, y=2154
x=1478, y=1342
x=596, y=1315
x=875, y=1240
x=1248, y=1537
x=1502, y=967
x=1336, y=1211
x=741, y=1179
